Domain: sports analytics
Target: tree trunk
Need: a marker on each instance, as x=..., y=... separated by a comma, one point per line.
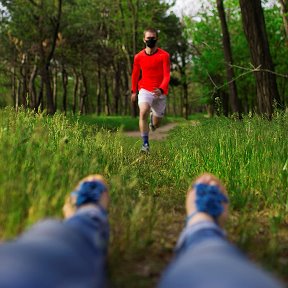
x=129, y=57
x=184, y=84
x=23, y=73
x=49, y=94
x=44, y=72
x=234, y=100
x=64, y=84
x=185, y=98
x=32, y=88
x=225, y=103
x=14, y=84
x=45, y=61
x=181, y=102
x=255, y=31
x=117, y=87
x=284, y=10
x=122, y=89
x=127, y=92
x=245, y=104
x=210, y=110
x=76, y=87
x=107, y=100
x=51, y=108
x=17, y=95
x=55, y=87
x=83, y=94
x=40, y=96
x=98, y=93
x=284, y=81
x=174, y=102
x=134, y=10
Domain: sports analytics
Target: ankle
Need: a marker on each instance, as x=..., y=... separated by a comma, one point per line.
x=197, y=217
x=145, y=138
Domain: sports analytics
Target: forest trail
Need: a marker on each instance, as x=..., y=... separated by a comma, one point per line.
x=161, y=133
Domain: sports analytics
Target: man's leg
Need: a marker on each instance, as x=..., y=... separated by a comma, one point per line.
x=145, y=99
x=143, y=125
x=156, y=121
x=204, y=257
x=63, y=254
x=157, y=112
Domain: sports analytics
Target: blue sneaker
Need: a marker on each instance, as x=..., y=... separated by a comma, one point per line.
x=145, y=148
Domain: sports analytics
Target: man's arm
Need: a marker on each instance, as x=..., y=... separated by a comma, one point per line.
x=135, y=75
x=166, y=73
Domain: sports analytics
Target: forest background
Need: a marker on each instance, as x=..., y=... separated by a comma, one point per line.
x=77, y=55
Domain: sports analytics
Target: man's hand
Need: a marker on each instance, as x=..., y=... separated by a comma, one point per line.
x=157, y=92
x=133, y=97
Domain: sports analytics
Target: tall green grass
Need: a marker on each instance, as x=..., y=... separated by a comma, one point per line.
x=43, y=158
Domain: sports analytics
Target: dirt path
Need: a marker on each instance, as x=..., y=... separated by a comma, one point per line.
x=161, y=133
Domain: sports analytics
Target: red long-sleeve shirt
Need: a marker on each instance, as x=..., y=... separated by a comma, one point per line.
x=155, y=71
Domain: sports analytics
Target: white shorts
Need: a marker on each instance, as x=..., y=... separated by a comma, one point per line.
x=158, y=104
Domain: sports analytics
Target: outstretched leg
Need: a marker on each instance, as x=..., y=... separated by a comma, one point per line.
x=71, y=253
x=204, y=257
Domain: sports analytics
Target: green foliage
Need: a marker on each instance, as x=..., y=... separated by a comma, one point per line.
x=30, y=23
x=43, y=158
x=4, y=89
x=208, y=59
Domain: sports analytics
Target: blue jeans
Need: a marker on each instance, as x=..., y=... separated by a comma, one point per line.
x=58, y=254
x=205, y=259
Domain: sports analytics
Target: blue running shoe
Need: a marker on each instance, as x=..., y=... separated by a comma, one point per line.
x=145, y=148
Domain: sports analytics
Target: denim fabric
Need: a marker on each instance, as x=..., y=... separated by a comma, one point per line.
x=58, y=254
x=205, y=259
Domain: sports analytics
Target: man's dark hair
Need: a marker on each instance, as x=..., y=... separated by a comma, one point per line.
x=152, y=30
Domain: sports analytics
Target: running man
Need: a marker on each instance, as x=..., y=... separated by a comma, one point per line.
x=154, y=65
